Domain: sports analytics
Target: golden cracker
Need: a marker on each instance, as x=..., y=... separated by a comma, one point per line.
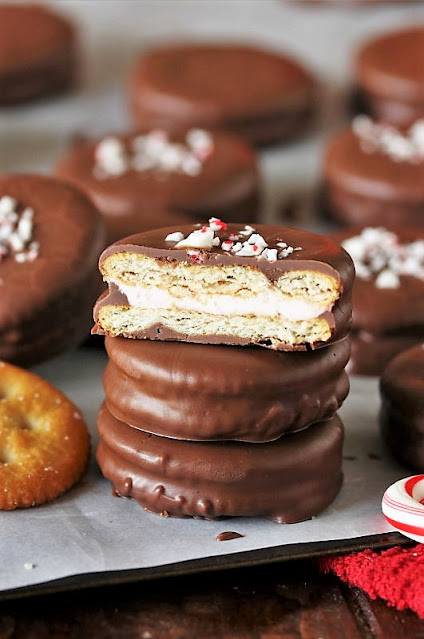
x=44, y=442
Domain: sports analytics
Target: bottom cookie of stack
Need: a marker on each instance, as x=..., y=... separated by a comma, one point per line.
x=287, y=480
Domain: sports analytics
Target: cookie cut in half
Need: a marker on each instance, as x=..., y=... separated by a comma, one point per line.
x=44, y=442
x=280, y=288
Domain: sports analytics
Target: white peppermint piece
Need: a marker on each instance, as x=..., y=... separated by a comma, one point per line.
x=155, y=144
x=416, y=133
x=249, y=250
x=7, y=205
x=190, y=165
x=199, y=139
x=216, y=224
x=226, y=246
x=248, y=230
x=143, y=162
x=286, y=252
x=282, y=245
x=270, y=254
x=6, y=229
x=174, y=237
x=16, y=242
x=236, y=247
x=216, y=241
x=198, y=239
x=24, y=229
x=387, y=279
x=255, y=238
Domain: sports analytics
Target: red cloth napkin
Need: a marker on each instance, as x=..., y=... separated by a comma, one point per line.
x=396, y=575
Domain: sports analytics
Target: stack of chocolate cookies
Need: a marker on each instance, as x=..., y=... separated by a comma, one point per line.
x=227, y=346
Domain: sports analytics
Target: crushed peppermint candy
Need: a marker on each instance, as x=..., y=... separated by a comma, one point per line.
x=246, y=243
x=153, y=152
x=377, y=253
x=16, y=231
x=398, y=146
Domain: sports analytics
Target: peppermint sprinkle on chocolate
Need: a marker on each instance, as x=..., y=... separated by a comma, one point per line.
x=16, y=231
x=246, y=243
x=398, y=146
x=153, y=152
x=377, y=253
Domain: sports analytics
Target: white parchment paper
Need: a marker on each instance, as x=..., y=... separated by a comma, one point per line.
x=87, y=530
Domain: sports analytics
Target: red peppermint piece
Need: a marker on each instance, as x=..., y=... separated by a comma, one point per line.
x=216, y=224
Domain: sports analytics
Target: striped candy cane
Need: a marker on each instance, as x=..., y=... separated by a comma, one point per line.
x=403, y=506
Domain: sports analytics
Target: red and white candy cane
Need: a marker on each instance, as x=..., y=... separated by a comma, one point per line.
x=403, y=506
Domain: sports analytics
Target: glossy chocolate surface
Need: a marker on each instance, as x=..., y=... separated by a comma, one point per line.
x=37, y=55
x=45, y=304
x=206, y=392
x=258, y=94
x=288, y=480
x=227, y=187
x=402, y=412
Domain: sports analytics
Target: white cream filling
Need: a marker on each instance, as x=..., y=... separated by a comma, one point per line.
x=271, y=303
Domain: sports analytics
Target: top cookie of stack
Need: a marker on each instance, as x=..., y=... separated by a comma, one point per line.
x=232, y=429
x=283, y=289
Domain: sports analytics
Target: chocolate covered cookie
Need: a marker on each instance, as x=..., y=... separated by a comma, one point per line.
x=402, y=411
x=289, y=480
x=143, y=181
x=374, y=174
x=37, y=52
x=280, y=288
x=205, y=392
x=388, y=294
x=390, y=75
x=50, y=239
x=262, y=96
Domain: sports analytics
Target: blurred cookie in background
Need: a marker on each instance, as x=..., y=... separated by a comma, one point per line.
x=262, y=96
x=374, y=174
x=142, y=181
x=50, y=240
x=388, y=294
x=37, y=53
x=389, y=73
x=402, y=408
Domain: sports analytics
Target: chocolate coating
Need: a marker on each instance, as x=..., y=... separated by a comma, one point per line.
x=371, y=188
x=37, y=52
x=371, y=353
x=204, y=392
x=259, y=95
x=385, y=320
x=227, y=187
x=45, y=305
x=402, y=411
x=390, y=73
x=319, y=254
x=289, y=480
